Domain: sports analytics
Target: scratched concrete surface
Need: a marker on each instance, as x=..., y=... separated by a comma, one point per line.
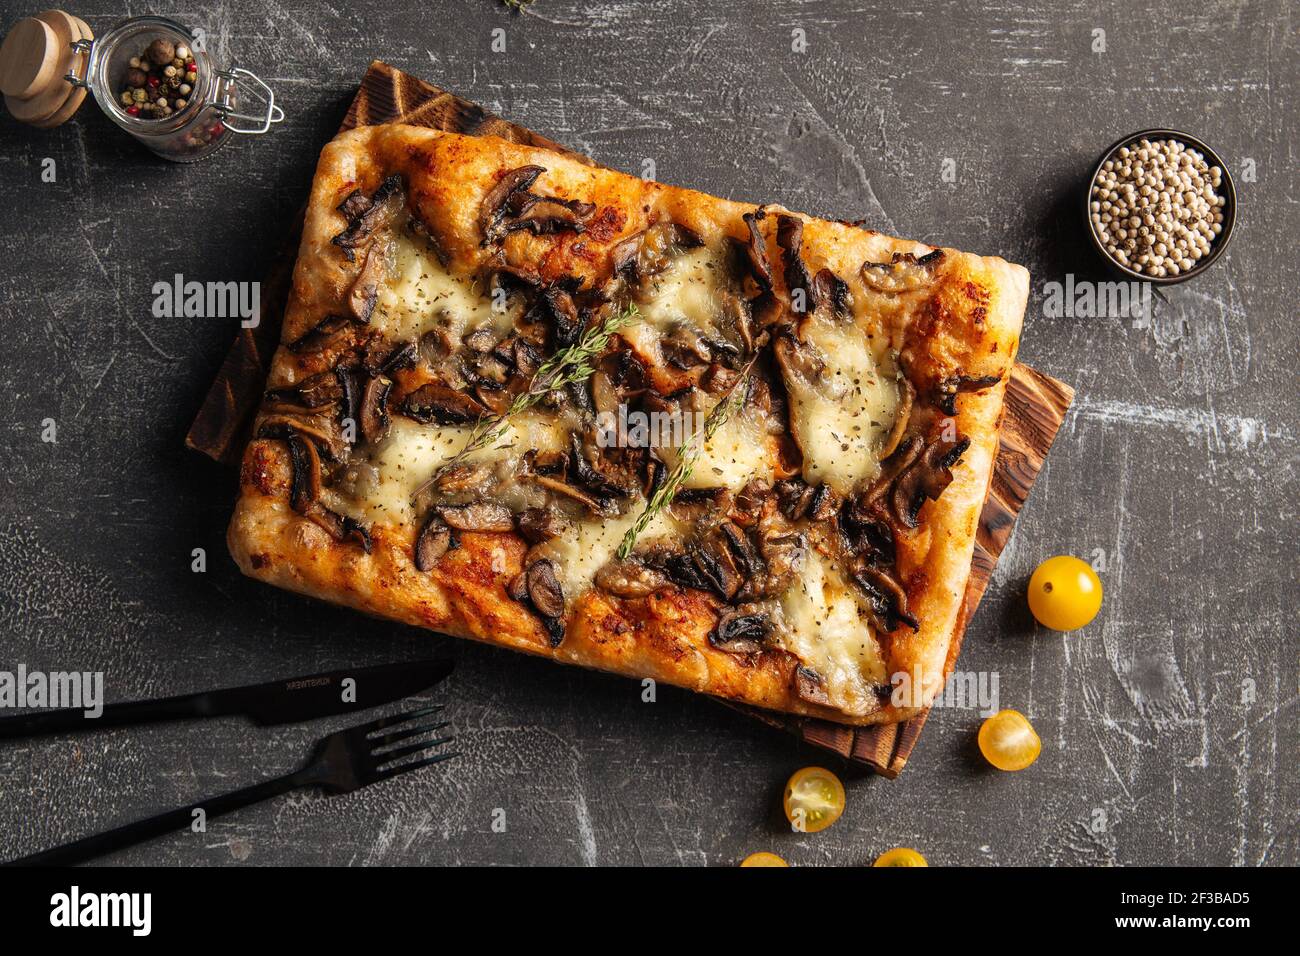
x=1178, y=460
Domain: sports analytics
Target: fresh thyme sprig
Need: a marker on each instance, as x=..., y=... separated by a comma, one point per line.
x=687, y=456
x=575, y=363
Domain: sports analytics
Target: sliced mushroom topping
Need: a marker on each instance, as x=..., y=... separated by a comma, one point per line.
x=604, y=474
x=784, y=554
x=322, y=334
x=365, y=289
x=685, y=347
x=495, y=203
x=604, y=507
x=540, y=524
x=323, y=432
x=798, y=283
x=691, y=504
x=432, y=543
x=718, y=568
x=925, y=478
x=886, y=596
x=740, y=631
x=366, y=216
x=403, y=355
x=822, y=504
x=630, y=579
x=652, y=250
x=946, y=391
x=902, y=414
x=749, y=501
x=903, y=273
x=680, y=568
x=305, y=486
x=544, y=588
x=831, y=290
x=810, y=686
x=435, y=403
x=462, y=479
x=546, y=215
x=798, y=361
x=794, y=497
x=743, y=553
x=312, y=392
x=480, y=516
x=756, y=250
x=373, y=415
x=339, y=527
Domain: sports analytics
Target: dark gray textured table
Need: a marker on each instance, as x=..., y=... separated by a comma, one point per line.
x=1177, y=461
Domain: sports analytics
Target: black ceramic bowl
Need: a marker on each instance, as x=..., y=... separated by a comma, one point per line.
x=1226, y=189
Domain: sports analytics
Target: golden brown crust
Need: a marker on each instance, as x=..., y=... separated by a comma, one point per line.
x=968, y=325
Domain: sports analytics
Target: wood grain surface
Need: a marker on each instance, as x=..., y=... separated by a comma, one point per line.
x=1036, y=404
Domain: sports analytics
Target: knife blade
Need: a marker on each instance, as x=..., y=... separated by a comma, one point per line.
x=277, y=702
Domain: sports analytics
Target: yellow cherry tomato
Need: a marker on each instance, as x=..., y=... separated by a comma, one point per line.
x=1064, y=593
x=900, y=856
x=1008, y=741
x=814, y=799
x=763, y=858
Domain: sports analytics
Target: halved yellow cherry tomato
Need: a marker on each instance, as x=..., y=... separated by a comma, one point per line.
x=763, y=858
x=1064, y=593
x=814, y=799
x=900, y=856
x=1008, y=741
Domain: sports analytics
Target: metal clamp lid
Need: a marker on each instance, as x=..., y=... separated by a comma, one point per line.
x=260, y=92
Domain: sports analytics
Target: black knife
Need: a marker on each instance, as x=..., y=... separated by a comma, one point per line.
x=278, y=702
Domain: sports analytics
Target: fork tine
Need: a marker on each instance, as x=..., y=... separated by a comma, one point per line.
x=404, y=734
x=382, y=722
x=407, y=767
x=415, y=748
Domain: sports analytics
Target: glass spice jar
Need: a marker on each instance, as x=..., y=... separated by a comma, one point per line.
x=211, y=113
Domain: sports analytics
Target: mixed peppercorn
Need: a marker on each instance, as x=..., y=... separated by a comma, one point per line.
x=159, y=80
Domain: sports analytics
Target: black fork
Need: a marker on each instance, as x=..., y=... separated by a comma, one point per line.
x=342, y=762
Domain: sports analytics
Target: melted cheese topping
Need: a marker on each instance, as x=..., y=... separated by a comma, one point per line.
x=590, y=544
x=736, y=453
x=412, y=452
x=825, y=625
x=421, y=295
x=688, y=292
x=842, y=421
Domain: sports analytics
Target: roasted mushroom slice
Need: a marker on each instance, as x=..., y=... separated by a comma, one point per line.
x=886, y=596
x=373, y=413
x=435, y=403
x=599, y=505
x=400, y=356
x=433, y=542
x=365, y=288
x=831, y=290
x=902, y=414
x=925, y=478
x=312, y=392
x=946, y=391
x=755, y=249
x=547, y=215
x=798, y=283
x=903, y=273
x=305, y=484
x=718, y=568
x=740, y=630
x=540, y=524
x=323, y=432
x=630, y=579
x=366, y=216
x=544, y=588
x=651, y=251
x=811, y=686
x=480, y=516
x=324, y=333
x=494, y=207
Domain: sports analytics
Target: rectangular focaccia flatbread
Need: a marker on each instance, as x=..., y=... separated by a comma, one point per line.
x=416, y=456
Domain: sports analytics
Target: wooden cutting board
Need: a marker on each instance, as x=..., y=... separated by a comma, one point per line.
x=1035, y=403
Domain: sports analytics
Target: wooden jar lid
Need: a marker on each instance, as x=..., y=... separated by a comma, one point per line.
x=34, y=58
